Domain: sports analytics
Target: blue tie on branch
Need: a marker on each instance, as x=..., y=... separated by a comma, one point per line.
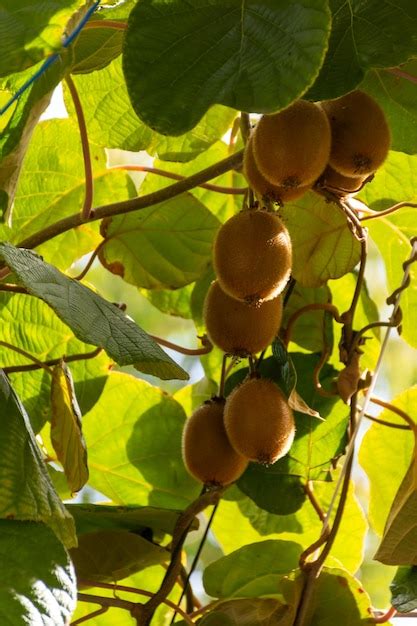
x=50, y=60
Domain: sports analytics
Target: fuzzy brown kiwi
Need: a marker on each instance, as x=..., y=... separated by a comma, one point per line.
x=360, y=134
x=264, y=187
x=237, y=327
x=292, y=147
x=258, y=420
x=206, y=450
x=252, y=256
x=339, y=184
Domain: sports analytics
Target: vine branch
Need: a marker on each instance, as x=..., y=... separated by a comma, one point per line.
x=207, y=346
x=392, y=209
x=38, y=363
x=12, y=369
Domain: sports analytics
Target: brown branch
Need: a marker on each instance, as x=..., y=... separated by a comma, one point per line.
x=88, y=171
x=134, y=204
x=27, y=355
x=13, y=288
x=183, y=525
x=12, y=369
x=207, y=346
x=90, y=261
x=385, y=423
x=392, y=209
x=387, y=405
x=309, y=490
x=316, y=376
x=106, y=24
x=174, y=176
x=105, y=601
x=382, y=619
x=316, y=306
x=402, y=74
x=86, y=618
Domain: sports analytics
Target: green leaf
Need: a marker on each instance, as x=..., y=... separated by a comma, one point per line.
x=102, y=323
x=398, y=544
x=66, y=429
x=15, y=138
x=396, y=96
x=133, y=435
x=312, y=326
x=167, y=245
x=171, y=301
x=251, y=571
x=95, y=48
x=248, y=56
x=278, y=488
x=103, y=92
x=93, y=517
x=248, y=612
x=404, y=589
x=365, y=35
x=26, y=491
x=110, y=555
x=52, y=186
x=323, y=245
x=31, y=31
x=38, y=582
x=381, y=449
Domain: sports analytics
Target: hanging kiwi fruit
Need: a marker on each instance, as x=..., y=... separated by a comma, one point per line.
x=292, y=147
x=262, y=186
x=339, y=184
x=360, y=134
x=252, y=256
x=237, y=327
x=206, y=450
x=259, y=422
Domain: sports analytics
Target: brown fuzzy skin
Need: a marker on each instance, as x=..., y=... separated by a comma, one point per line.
x=264, y=187
x=237, y=327
x=339, y=184
x=292, y=147
x=259, y=423
x=206, y=450
x=360, y=134
x=252, y=256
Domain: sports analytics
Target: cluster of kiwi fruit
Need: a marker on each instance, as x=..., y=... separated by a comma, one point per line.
x=334, y=144
x=252, y=259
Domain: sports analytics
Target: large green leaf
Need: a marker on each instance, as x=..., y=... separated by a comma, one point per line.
x=278, y=488
x=31, y=31
x=95, y=48
x=396, y=97
x=112, y=554
x=248, y=55
x=167, y=245
x=38, y=583
x=323, y=245
x=251, y=571
x=103, y=92
x=26, y=491
x=365, y=35
x=101, y=323
x=52, y=186
x=133, y=435
x=248, y=612
x=15, y=138
x=382, y=448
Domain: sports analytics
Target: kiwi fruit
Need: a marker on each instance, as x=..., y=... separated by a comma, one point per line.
x=258, y=420
x=339, y=184
x=292, y=147
x=252, y=256
x=264, y=187
x=237, y=327
x=360, y=134
x=206, y=450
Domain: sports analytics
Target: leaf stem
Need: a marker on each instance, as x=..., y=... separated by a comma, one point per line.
x=394, y=409
x=27, y=355
x=174, y=176
x=88, y=171
x=309, y=490
x=90, y=261
x=382, y=619
x=385, y=423
x=81, y=620
x=43, y=364
x=316, y=306
x=396, y=71
x=207, y=346
x=392, y=209
x=13, y=288
x=133, y=204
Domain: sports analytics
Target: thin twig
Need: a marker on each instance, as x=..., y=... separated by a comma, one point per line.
x=392, y=209
x=86, y=618
x=133, y=204
x=156, y=170
x=105, y=601
x=207, y=346
x=383, y=619
x=12, y=369
x=309, y=490
x=223, y=377
x=13, y=288
x=385, y=423
x=316, y=376
x=90, y=261
x=316, y=306
x=394, y=409
x=27, y=355
x=88, y=171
